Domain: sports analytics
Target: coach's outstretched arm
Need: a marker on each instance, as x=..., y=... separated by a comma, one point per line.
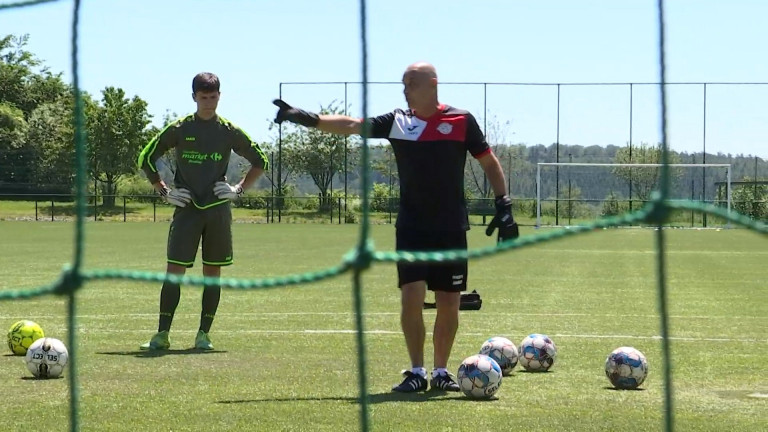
x=331, y=123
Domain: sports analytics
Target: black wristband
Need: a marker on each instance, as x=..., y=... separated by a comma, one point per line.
x=306, y=118
x=502, y=201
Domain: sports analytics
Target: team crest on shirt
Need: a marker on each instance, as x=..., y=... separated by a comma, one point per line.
x=444, y=128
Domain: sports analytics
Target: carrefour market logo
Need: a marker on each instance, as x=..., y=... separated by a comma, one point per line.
x=195, y=157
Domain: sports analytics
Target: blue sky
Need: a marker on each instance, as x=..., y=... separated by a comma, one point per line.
x=153, y=49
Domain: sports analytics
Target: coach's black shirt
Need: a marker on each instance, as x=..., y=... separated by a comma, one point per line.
x=430, y=155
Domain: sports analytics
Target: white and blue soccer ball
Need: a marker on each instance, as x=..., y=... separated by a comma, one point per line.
x=479, y=376
x=47, y=357
x=626, y=368
x=537, y=353
x=503, y=351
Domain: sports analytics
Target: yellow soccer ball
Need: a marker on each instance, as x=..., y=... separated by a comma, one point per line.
x=22, y=334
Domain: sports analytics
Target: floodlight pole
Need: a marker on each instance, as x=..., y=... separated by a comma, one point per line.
x=329, y=196
x=704, y=156
x=485, y=131
x=538, y=195
x=728, y=193
x=570, y=203
x=346, y=138
x=271, y=210
x=754, y=196
x=279, y=162
x=631, y=104
x=557, y=159
x=509, y=171
x=389, y=194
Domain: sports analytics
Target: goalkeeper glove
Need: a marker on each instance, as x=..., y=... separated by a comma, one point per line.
x=294, y=115
x=503, y=220
x=224, y=190
x=179, y=197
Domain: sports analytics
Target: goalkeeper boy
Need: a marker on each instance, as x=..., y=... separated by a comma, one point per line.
x=203, y=142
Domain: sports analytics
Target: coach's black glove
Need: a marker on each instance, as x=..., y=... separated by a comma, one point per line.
x=294, y=115
x=503, y=220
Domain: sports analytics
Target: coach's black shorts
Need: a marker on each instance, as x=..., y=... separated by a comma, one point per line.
x=450, y=276
x=213, y=225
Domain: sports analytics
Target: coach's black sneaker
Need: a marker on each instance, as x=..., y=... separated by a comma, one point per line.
x=412, y=383
x=444, y=382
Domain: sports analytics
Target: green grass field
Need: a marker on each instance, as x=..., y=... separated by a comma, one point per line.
x=286, y=357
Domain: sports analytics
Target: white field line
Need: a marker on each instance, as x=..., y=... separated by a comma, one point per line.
x=334, y=332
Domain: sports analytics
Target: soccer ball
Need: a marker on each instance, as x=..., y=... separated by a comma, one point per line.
x=503, y=351
x=47, y=357
x=22, y=334
x=626, y=368
x=479, y=376
x=537, y=353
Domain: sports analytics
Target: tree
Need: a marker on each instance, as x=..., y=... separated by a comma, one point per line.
x=573, y=207
x=751, y=199
x=51, y=138
x=24, y=85
x=318, y=154
x=383, y=162
x=287, y=171
x=15, y=158
x=611, y=205
x=24, y=82
x=643, y=180
x=117, y=131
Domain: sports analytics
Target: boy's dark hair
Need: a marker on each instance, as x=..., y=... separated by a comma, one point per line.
x=205, y=82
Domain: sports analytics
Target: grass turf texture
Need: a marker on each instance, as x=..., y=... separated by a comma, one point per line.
x=286, y=357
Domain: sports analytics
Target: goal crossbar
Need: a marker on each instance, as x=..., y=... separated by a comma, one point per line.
x=628, y=165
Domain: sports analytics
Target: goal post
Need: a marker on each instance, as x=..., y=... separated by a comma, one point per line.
x=596, y=178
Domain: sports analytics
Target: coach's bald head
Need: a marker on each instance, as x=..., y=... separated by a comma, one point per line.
x=424, y=69
x=420, y=87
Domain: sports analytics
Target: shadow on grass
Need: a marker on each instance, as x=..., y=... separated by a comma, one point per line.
x=377, y=398
x=618, y=389
x=31, y=378
x=161, y=353
x=526, y=371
